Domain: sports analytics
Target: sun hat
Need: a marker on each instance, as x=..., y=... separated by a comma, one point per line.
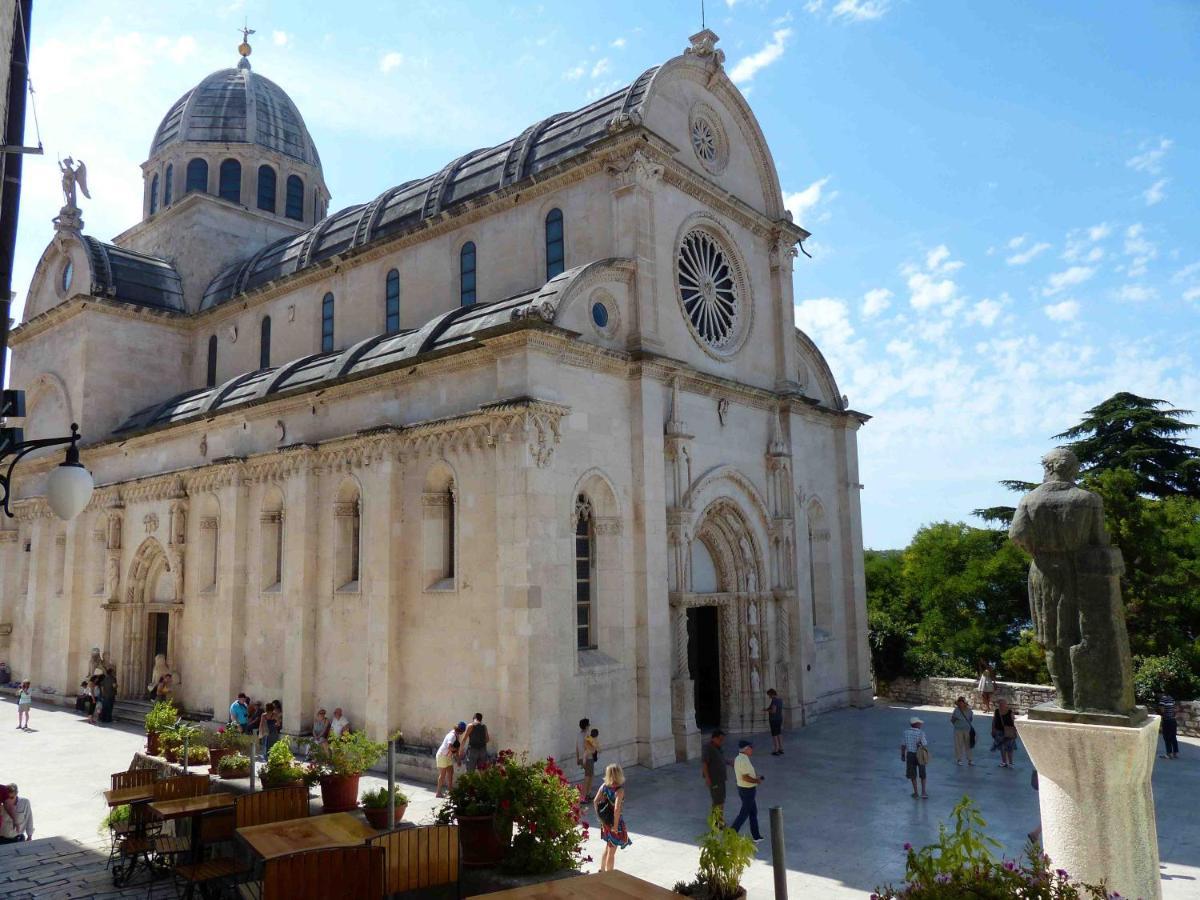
x=915, y=721
x=461, y=726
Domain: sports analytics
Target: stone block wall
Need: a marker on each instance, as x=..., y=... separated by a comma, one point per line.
x=944, y=691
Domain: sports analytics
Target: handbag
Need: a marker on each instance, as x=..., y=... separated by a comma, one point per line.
x=972, y=737
x=922, y=755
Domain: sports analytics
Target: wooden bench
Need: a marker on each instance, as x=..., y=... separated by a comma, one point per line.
x=319, y=874
x=180, y=787
x=422, y=857
x=133, y=778
x=275, y=805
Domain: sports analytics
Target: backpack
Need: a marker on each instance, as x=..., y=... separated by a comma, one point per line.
x=604, y=809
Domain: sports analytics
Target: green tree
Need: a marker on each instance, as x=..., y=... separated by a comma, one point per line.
x=1134, y=433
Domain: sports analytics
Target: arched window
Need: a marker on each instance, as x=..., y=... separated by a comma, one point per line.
x=264, y=343
x=230, y=181
x=197, y=176
x=327, y=323
x=347, y=512
x=210, y=379
x=266, y=188
x=209, y=538
x=294, y=206
x=392, y=303
x=169, y=186
x=585, y=570
x=555, y=247
x=154, y=194
x=466, y=274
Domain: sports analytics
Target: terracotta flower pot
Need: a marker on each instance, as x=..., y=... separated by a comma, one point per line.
x=215, y=755
x=152, y=743
x=484, y=839
x=339, y=793
x=377, y=816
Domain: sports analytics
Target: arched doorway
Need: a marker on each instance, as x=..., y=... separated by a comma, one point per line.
x=152, y=606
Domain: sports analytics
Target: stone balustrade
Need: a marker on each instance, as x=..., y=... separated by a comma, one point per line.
x=944, y=691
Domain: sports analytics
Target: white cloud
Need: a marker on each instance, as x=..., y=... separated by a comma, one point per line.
x=860, y=10
x=1066, y=311
x=927, y=286
x=814, y=6
x=1151, y=157
x=1140, y=250
x=986, y=311
x=799, y=203
x=1081, y=244
x=281, y=38
x=876, y=301
x=1189, y=276
x=1136, y=293
x=1027, y=255
x=1016, y=242
x=600, y=68
x=390, y=61
x=576, y=73
x=618, y=43
x=1099, y=232
x=1155, y=193
x=826, y=320
x=1060, y=281
x=749, y=66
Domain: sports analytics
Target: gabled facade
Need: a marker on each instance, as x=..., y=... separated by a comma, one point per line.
x=534, y=435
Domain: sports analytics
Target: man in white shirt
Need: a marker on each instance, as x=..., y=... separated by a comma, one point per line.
x=339, y=724
x=747, y=784
x=914, y=737
x=447, y=754
x=22, y=828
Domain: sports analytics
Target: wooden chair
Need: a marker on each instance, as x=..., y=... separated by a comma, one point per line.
x=275, y=805
x=422, y=857
x=133, y=778
x=319, y=874
x=180, y=787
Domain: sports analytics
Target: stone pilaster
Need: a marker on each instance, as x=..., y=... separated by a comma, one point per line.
x=305, y=543
x=636, y=179
x=853, y=577
x=379, y=581
x=229, y=599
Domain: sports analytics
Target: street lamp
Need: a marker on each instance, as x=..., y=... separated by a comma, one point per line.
x=70, y=485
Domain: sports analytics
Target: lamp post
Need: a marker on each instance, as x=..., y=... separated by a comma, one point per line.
x=70, y=485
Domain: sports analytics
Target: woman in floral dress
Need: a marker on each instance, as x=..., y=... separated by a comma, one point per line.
x=609, y=804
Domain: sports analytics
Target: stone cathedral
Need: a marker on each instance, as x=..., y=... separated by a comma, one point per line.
x=533, y=435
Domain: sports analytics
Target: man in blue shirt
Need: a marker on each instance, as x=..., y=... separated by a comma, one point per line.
x=239, y=713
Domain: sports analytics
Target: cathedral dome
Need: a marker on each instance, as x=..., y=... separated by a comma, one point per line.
x=236, y=106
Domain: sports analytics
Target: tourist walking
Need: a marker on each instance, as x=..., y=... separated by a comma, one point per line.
x=610, y=806
x=476, y=739
x=239, y=713
x=1004, y=733
x=108, y=694
x=747, y=784
x=914, y=750
x=24, y=704
x=713, y=766
x=987, y=687
x=1168, y=726
x=581, y=757
x=962, y=720
x=447, y=755
x=774, y=711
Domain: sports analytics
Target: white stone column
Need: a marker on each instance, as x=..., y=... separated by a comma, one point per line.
x=854, y=580
x=1097, y=801
x=381, y=542
x=229, y=598
x=303, y=547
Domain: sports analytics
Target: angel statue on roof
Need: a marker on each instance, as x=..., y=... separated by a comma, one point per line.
x=73, y=176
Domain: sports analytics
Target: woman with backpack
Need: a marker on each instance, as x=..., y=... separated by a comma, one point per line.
x=610, y=803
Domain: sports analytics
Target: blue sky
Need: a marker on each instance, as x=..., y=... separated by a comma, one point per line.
x=1001, y=195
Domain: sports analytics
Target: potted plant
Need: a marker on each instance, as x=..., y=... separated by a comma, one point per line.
x=534, y=799
x=162, y=715
x=375, y=807
x=224, y=742
x=281, y=769
x=724, y=856
x=197, y=754
x=235, y=765
x=171, y=739
x=339, y=764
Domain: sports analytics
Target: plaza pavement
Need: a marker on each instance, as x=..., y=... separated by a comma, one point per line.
x=841, y=784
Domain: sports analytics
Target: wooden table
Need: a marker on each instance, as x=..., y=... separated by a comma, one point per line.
x=312, y=833
x=193, y=808
x=600, y=886
x=137, y=794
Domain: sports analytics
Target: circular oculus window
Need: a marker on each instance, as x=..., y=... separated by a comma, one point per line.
x=708, y=138
x=600, y=315
x=68, y=275
x=709, y=291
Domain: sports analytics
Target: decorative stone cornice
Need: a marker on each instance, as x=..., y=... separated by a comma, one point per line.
x=56, y=315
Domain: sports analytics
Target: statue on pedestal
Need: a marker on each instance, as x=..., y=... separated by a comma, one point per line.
x=1075, y=595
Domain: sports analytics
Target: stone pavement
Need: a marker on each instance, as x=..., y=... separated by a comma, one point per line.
x=841, y=784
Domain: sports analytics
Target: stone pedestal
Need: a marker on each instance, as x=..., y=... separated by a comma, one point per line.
x=1097, y=802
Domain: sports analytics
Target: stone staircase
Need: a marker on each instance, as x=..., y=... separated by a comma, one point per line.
x=132, y=712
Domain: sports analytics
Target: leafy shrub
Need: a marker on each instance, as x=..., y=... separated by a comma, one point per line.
x=1172, y=674
x=537, y=798
x=724, y=857
x=348, y=754
x=234, y=762
x=197, y=753
x=920, y=662
x=162, y=715
x=118, y=815
x=1026, y=661
x=229, y=739
x=961, y=865
x=888, y=640
x=281, y=766
x=378, y=799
